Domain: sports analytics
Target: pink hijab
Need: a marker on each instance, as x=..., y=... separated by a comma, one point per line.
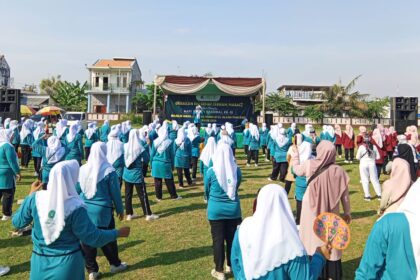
x=338, y=130
x=362, y=130
x=349, y=131
x=396, y=187
x=376, y=135
x=414, y=135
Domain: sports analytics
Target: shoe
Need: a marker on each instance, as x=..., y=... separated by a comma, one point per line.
x=35, y=174
x=378, y=197
x=4, y=270
x=218, y=275
x=266, y=160
x=228, y=269
x=346, y=161
x=158, y=200
x=269, y=179
x=256, y=165
x=178, y=197
x=152, y=217
x=181, y=187
x=351, y=162
x=248, y=165
x=115, y=269
x=130, y=217
x=5, y=218
x=367, y=198
x=339, y=156
x=205, y=201
x=94, y=275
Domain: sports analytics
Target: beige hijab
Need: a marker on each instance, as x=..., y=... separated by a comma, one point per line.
x=396, y=187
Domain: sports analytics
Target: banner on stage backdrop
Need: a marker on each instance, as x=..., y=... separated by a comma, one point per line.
x=216, y=109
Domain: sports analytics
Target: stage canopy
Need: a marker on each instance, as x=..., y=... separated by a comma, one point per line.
x=222, y=99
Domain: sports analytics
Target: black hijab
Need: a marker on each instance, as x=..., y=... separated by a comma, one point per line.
x=405, y=151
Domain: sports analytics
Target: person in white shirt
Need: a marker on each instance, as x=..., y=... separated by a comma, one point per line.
x=367, y=154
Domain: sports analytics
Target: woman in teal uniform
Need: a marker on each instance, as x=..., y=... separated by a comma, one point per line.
x=173, y=129
x=328, y=133
x=206, y=158
x=223, y=208
x=246, y=138
x=133, y=176
x=99, y=188
x=6, y=123
x=208, y=132
x=39, y=142
x=14, y=126
x=91, y=136
x=292, y=131
x=197, y=115
x=254, y=145
x=51, y=155
x=162, y=157
x=74, y=144
x=60, y=223
x=61, y=130
x=267, y=244
x=9, y=172
x=125, y=131
x=280, y=147
x=264, y=139
x=152, y=132
x=143, y=134
x=105, y=129
x=195, y=139
x=393, y=248
x=115, y=151
x=80, y=129
x=27, y=139
x=183, y=157
x=231, y=132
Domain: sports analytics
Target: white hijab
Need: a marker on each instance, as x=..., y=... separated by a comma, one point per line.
x=54, y=151
x=133, y=148
x=5, y=135
x=7, y=122
x=214, y=128
x=143, y=132
x=90, y=130
x=162, y=142
x=40, y=128
x=115, y=148
x=274, y=132
x=180, y=138
x=13, y=124
x=264, y=127
x=293, y=127
x=60, y=128
x=281, y=139
x=72, y=132
x=304, y=149
x=253, y=130
x=208, y=129
x=269, y=238
x=208, y=151
x=193, y=133
x=175, y=125
x=59, y=200
x=225, y=168
x=96, y=168
x=411, y=208
x=229, y=128
x=225, y=139
x=26, y=130
x=307, y=131
x=330, y=130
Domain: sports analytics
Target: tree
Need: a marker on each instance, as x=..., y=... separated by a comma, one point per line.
x=144, y=101
x=49, y=85
x=71, y=96
x=377, y=108
x=313, y=113
x=277, y=103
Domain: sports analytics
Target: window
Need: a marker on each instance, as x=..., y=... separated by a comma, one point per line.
x=96, y=81
x=118, y=82
x=124, y=82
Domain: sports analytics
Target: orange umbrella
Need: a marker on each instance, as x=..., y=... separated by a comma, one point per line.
x=26, y=110
x=49, y=110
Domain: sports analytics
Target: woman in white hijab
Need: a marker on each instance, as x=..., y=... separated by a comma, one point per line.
x=195, y=139
x=115, y=151
x=223, y=209
x=254, y=145
x=208, y=133
x=51, y=155
x=39, y=142
x=27, y=139
x=207, y=156
x=267, y=244
x=174, y=127
x=74, y=144
x=60, y=223
x=61, y=129
x=14, y=126
x=162, y=157
x=183, y=157
x=392, y=250
x=99, y=188
x=91, y=136
x=133, y=176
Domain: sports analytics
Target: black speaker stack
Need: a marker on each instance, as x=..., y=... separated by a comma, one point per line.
x=147, y=117
x=268, y=119
x=404, y=112
x=10, y=104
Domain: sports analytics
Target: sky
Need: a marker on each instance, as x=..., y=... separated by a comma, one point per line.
x=288, y=42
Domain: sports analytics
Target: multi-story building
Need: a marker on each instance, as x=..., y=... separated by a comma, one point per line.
x=303, y=95
x=112, y=84
x=4, y=72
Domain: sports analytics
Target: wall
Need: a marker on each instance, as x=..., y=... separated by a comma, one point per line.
x=100, y=117
x=331, y=121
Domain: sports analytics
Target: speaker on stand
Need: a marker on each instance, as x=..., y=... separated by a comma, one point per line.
x=403, y=113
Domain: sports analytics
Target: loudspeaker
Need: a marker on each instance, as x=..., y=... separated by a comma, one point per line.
x=10, y=104
x=147, y=117
x=268, y=119
x=403, y=112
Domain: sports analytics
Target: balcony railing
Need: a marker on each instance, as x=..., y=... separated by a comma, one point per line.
x=108, y=87
x=304, y=95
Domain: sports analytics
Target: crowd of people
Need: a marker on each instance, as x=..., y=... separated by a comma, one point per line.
x=80, y=174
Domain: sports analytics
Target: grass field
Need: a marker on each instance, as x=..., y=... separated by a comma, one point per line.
x=178, y=245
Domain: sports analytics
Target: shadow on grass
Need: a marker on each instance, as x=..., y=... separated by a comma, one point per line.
x=15, y=241
x=364, y=214
x=19, y=268
x=350, y=267
x=127, y=245
x=181, y=209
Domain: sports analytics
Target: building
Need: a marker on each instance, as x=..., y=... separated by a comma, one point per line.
x=35, y=100
x=303, y=96
x=112, y=84
x=4, y=72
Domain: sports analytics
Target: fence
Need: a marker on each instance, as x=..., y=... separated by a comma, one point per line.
x=102, y=117
x=331, y=121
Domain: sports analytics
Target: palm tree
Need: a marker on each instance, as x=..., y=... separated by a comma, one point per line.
x=50, y=85
x=71, y=96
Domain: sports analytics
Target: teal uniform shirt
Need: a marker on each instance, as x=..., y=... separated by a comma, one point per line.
x=247, y=137
x=298, y=268
x=101, y=206
x=183, y=157
x=63, y=136
x=105, y=129
x=37, y=146
x=119, y=166
x=172, y=133
x=327, y=136
x=220, y=206
x=63, y=258
x=197, y=119
x=301, y=187
x=134, y=173
x=16, y=137
x=27, y=141
x=46, y=167
x=280, y=153
x=124, y=137
x=153, y=135
x=195, y=147
x=270, y=144
x=290, y=133
x=254, y=143
x=9, y=166
x=75, y=149
x=233, y=137
x=263, y=137
x=146, y=156
x=204, y=168
x=388, y=252
x=90, y=141
x=310, y=140
x=162, y=163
